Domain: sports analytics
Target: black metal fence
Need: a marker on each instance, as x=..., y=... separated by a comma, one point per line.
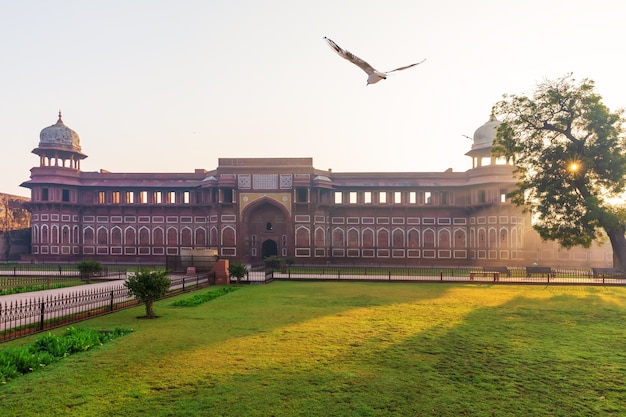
x=13, y=283
x=33, y=315
x=37, y=314
x=53, y=270
x=513, y=275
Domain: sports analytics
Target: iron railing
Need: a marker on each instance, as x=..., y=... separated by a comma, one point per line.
x=32, y=315
x=513, y=275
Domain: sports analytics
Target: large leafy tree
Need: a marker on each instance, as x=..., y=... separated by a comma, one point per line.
x=569, y=150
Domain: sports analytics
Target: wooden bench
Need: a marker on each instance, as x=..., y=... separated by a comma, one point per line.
x=483, y=273
x=542, y=270
x=501, y=269
x=607, y=273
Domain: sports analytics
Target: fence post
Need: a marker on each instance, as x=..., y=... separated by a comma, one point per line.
x=111, y=300
x=440, y=276
x=183, y=284
x=42, y=315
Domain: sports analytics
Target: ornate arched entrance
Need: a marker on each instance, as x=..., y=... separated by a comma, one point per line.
x=265, y=230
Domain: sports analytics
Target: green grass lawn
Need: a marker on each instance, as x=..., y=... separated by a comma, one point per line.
x=348, y=349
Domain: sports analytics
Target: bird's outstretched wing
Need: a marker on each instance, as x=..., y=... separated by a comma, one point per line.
x=408, y=66
x=352, y=58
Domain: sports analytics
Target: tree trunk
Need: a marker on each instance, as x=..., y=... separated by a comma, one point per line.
x=618, y=242
x=149, y=310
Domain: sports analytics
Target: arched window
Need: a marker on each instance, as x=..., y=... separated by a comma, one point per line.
x=338, y=241
x=116, y=236
x=172, y=237
x=144, y=236
x=460, y=239
x=158, y=237
x=303, y=237
x=413, y=239
x=88, y=236
x=368, y=238
x=213, y=241
x=444, y=239
x=200, y=237
x=228, y=236
x=103, y=236
x=429, y=238
x=129, y=237
x=185, y=237
x=65, y=235
x=383, y=238
x=320, y=240
x=398, y=238
x=353, y=238
x=44, y=234
x=504, y=238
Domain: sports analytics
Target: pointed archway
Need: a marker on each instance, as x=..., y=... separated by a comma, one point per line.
x=269, y=248
x=265, y=230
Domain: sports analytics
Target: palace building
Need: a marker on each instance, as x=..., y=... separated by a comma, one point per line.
x=251, y=208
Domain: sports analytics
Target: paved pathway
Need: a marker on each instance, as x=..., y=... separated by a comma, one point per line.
x=26, y=308
x=12, y=298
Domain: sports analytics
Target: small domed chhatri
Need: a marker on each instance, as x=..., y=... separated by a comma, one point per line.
x=59, y=146
x=483, y=142
x=485, y=135
x=59, y=136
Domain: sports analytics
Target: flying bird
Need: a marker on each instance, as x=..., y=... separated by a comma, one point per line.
x=373, y=75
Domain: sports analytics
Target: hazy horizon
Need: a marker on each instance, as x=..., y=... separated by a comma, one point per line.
x=164, y=86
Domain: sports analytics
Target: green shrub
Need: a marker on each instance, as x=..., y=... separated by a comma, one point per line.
x=89, y=268
x=55, y=345
x=48, y=348
x=203, y=298
x=237, y=270
x=80, y=340
x=272, y=261
x=148, y=286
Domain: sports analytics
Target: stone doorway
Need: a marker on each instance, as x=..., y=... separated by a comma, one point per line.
x=269, y=248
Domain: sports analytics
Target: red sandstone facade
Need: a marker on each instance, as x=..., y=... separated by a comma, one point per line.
x=250, y=208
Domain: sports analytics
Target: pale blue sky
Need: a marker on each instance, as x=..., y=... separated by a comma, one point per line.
x=171, y=86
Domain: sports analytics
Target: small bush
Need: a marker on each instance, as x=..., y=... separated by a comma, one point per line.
x=56, y=346
x=203, y=298
x=237, y=270
x=89, y=268
x=79, y=340
x=272, y=261
x=148, y=286
x=48, y=348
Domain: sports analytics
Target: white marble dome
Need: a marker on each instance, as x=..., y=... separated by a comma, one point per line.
x=484, y=135
x=59, y=136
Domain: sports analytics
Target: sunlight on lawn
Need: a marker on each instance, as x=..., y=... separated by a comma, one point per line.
x=353, y=349
x=357, y=331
